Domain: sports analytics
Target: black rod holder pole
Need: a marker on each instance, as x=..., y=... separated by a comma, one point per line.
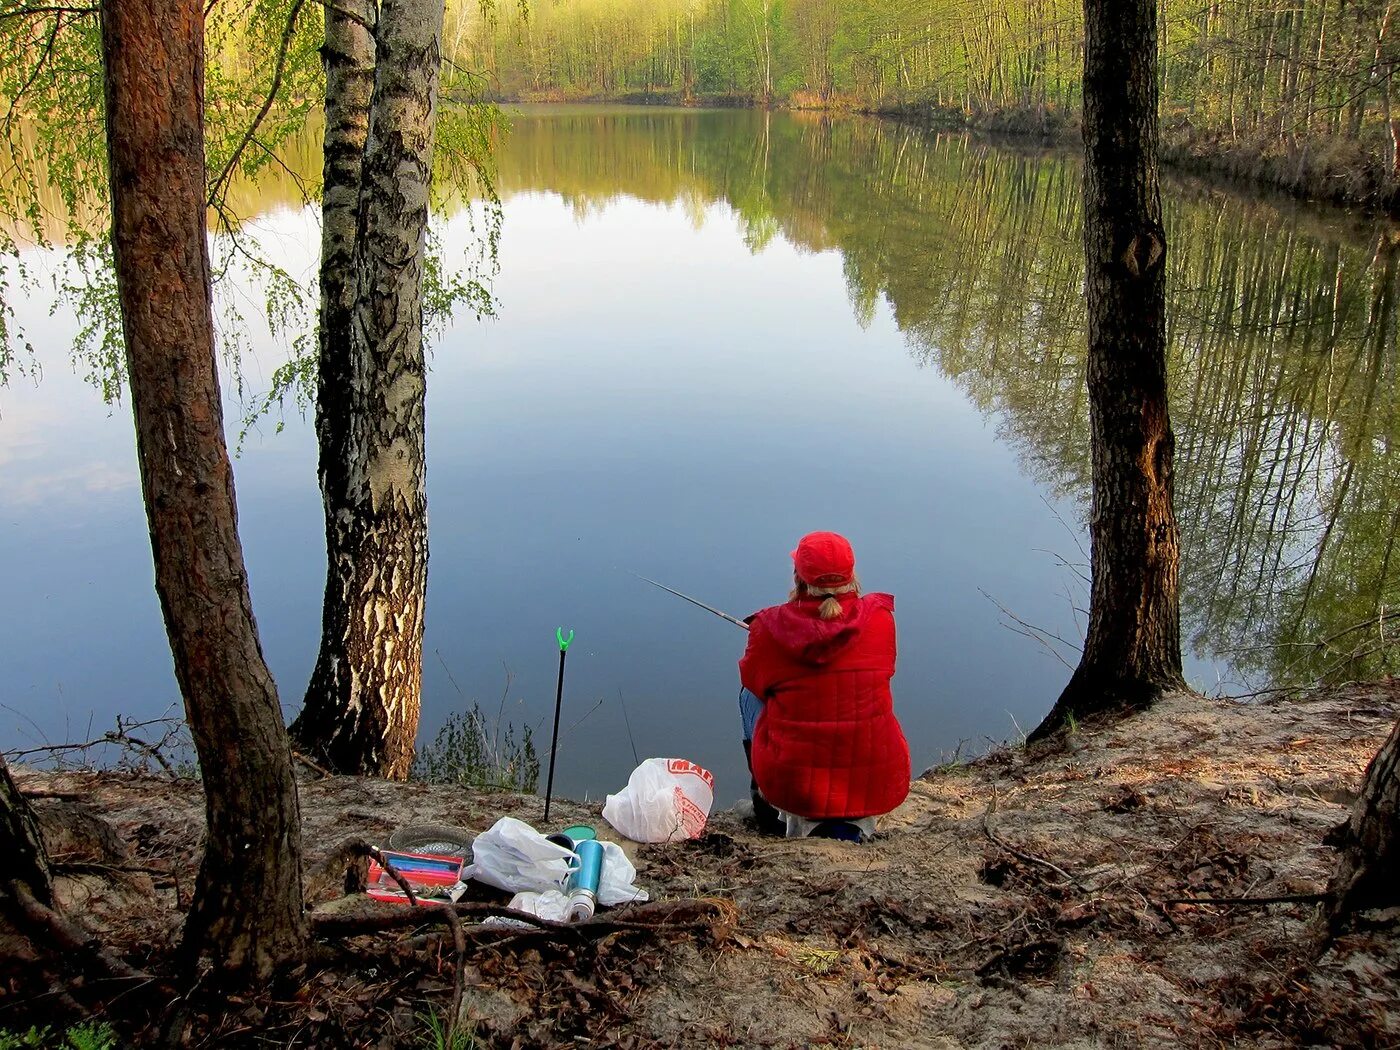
x=558, y=705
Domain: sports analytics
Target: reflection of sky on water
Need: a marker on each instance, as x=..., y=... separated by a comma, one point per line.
x=654, y=398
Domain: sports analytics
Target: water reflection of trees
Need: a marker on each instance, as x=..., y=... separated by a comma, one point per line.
x=1283, y=330
x=1284, y=337
x=1283, y=327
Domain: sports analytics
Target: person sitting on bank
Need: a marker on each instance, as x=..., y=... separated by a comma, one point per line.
x=826, y=753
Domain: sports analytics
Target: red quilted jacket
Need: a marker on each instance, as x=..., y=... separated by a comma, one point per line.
x=827, y=743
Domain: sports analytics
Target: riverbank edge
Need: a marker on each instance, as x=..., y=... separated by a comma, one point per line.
x=1068, y=895
x=1319, y=170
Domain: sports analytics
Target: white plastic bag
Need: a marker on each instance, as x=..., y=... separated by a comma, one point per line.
x=616, y=880
x=665, y=800
x=551, y=905
x=511, y=855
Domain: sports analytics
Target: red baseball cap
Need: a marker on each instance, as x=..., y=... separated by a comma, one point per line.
x=824, y=559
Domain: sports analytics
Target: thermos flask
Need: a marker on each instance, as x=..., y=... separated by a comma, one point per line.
x=583, y=883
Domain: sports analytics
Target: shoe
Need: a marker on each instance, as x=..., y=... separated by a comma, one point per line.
x=841, y=830
x=766, y=817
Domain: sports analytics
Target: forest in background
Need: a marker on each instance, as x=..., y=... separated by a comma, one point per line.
x=1294, y=92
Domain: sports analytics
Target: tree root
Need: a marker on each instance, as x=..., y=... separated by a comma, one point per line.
x=656, y=917
x=50, y=929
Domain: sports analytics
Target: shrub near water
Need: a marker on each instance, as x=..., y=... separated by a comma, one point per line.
x=468, y=752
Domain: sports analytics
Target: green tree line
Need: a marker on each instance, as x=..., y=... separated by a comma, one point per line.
x=1297, y=89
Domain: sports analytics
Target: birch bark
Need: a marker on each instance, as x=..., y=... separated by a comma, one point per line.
x=361, y=711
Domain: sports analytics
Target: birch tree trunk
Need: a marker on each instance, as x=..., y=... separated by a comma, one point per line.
x=361, y=712
x=1368, y=870
x=1132, y=652
x=247, y=906
x=348, y=56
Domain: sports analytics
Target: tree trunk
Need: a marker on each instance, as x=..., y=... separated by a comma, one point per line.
x=348, y=55
x=247, y=905
x=1368, y=870
x=361, y=713
x=1132, y=651
x=20, y=843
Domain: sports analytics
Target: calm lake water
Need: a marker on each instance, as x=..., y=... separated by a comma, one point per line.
x=718, y=331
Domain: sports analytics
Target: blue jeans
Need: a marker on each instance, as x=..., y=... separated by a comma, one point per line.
x=750, y=707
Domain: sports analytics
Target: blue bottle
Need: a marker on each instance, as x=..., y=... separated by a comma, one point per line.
x=583, y=883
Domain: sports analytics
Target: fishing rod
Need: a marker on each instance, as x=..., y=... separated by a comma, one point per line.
x=695, y=601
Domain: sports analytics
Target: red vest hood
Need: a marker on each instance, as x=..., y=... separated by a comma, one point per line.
x=798, y=629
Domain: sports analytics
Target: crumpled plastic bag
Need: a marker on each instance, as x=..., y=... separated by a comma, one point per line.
x=617, y=879
x=665, y=800
x=552, y=905
x=511, y=855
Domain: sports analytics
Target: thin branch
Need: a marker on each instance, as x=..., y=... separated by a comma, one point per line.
x=1029, y=858
x=320, y=770
x=146, y=748
x=43, y=60
x=1031, y=631
x=471, y=74
x=349, y=16
x=33, y=12
x=121, y=737
x=389, y=869
x=1252, y=902
x=295, y=176
x=1073, y=535
x=216, y=192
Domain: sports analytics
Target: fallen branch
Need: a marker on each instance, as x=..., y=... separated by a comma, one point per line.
x=1251, y=902
x=459, y=970
x=1029, y=858
x=121, y=737
x=398, y=917
x=92, y=867
x=319, y=770
x=658, y=916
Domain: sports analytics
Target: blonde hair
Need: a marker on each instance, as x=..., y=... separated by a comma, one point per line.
x=831, y=608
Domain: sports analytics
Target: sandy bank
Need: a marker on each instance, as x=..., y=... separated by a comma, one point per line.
x=1020, y=900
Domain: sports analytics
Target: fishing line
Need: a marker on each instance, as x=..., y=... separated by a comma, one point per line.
x=628, y=722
